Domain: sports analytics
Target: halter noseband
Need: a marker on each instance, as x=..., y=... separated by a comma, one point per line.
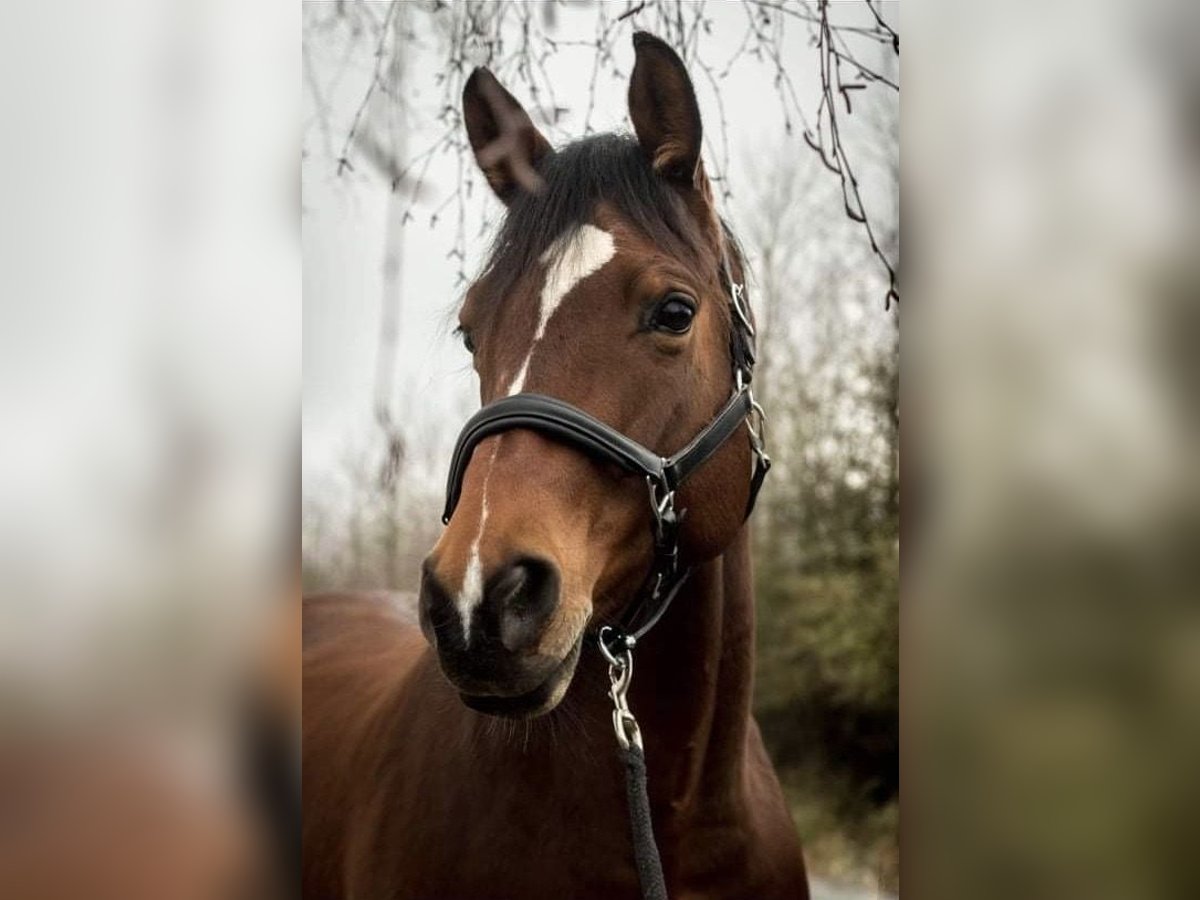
x=664, y=474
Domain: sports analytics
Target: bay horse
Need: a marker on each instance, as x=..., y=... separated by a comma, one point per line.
x=470, y=754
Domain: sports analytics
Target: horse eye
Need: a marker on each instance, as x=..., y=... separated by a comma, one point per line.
x=674, y=314
x=464, y=335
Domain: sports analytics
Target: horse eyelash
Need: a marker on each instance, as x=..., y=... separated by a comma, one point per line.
x=464, y=335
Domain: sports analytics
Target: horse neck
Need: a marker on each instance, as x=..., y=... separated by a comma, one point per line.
x=691, y=691
x=693, y=680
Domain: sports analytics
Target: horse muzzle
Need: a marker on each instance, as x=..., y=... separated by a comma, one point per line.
x=490, y=645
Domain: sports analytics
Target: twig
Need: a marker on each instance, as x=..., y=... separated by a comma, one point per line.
x=517, y=44
x=376, y=79
x=840, y=162
x=885, y=26
x=633, y=11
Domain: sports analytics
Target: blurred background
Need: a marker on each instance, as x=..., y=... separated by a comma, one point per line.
x=149, y=457
x=150, y=382
x=1051, y=626
x=801, y=115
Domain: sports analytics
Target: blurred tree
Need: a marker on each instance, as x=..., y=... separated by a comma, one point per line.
x=854, y=51
x=827, y=531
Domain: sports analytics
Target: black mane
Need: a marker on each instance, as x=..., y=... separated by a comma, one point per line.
x=608, y=167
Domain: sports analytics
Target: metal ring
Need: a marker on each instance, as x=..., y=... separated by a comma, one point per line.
x=620, y=679
x=622, y=661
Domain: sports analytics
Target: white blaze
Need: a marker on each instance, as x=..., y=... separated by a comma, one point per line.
x=569, y=260
x=471, y=593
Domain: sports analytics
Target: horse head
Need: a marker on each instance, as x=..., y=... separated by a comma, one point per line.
x=605, y=289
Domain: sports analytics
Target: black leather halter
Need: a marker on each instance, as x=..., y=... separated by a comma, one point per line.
x=664, y=474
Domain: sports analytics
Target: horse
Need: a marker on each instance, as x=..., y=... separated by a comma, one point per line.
x=471, y=753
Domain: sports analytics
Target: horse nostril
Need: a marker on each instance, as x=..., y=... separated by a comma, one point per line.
x=508, y=584
x=523, y=596
x=434, y=603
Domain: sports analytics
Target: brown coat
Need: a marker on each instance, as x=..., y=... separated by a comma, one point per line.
x=409, y=794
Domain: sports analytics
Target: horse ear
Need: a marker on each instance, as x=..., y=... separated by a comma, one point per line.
x=507, y=146
x=666, y=117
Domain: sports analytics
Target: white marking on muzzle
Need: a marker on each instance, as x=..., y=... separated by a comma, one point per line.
x=471, y=593
x=570, y=259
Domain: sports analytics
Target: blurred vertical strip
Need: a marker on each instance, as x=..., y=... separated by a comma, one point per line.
x=1051, y=633
x=149, y=411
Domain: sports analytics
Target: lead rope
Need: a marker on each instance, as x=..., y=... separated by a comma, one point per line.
x=633, y=759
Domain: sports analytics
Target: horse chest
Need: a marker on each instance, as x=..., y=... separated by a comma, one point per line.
x=538, y=830
x=552, y=829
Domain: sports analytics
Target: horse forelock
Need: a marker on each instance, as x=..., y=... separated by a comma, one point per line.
x=608, y=169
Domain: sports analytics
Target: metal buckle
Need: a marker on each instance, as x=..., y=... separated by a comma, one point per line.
x=756, y=424
x=739, y=306
x=662, y=505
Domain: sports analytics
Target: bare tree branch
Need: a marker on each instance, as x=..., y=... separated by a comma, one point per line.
x=343, y=161
x=516, y=43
